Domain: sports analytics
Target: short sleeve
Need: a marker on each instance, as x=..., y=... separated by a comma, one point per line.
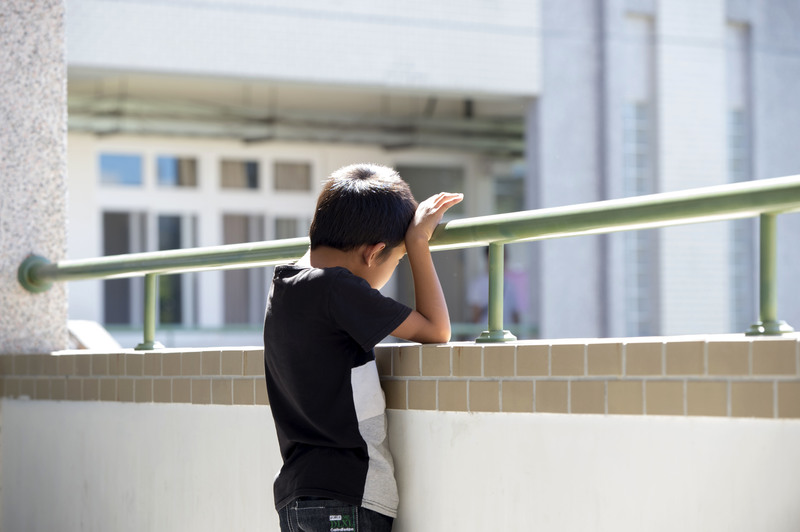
x=363, y=312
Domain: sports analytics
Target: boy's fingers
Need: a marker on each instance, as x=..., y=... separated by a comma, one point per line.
x=451, y=199
x=447, y=198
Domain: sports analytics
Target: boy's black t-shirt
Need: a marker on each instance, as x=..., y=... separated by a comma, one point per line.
x=320, y=328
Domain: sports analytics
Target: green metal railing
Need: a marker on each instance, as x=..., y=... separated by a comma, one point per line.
x=763, y=198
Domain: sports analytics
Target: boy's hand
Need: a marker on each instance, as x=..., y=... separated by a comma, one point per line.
x=429, y=214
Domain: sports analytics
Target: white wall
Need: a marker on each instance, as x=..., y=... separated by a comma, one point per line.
x=81, y=466
x=469, y=46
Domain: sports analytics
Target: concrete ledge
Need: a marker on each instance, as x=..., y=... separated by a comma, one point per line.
x=719, y=375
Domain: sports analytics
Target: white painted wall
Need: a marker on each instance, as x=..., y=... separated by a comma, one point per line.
x=469, y=46
x=80, y=466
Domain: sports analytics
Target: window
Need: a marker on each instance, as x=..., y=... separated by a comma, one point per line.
x=286, y=228
x=742, y=280
x=245, y=289
x=176, y=171
x=742, y=233
x=292, y=176
x=639, y=246
x=636, y=149
x=509, y=194
x=639, y=262
x=123, y=232
x=425, y=181
x=120, y=169
x=170, y=287
x=239, y=174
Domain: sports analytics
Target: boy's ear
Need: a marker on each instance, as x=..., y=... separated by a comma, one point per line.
x=371, y=253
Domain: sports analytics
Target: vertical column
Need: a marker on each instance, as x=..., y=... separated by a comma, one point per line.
x=568, y=162
x=33, y=166
x=693, y=267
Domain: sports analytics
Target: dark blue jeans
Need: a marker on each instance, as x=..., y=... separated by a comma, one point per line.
x=327, y=515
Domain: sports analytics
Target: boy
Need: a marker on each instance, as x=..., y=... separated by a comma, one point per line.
x=324, y=316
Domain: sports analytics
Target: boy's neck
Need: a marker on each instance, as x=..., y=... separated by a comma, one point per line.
x=327, y=257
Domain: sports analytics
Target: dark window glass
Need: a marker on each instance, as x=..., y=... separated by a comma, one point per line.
x=176, y=171
x=292, y=176
x=509, y=194
x=245, y=293
x=170, y=286
x=239, y=174
x=425, y=181
x=116, y=292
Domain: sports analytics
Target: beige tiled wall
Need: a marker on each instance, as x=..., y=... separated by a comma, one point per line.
x=170, y=376
x=729, y=375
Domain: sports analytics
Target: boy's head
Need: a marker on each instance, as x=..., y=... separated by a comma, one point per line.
x=362, y=204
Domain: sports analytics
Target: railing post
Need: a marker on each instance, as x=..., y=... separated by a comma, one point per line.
x=150, y=303
x=768, y=323
x=496, y=274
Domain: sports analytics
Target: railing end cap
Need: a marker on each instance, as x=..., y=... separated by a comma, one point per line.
x=26, y=274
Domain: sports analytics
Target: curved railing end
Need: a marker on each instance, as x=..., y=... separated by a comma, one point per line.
x=26, y=274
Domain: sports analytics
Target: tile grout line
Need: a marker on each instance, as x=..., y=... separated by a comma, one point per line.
x=644, y=397
x=775, y=399
x=516, y=348
x=569, y=396
x=500, y=391
x=797, y=358
x=729, y=393
x=624, y=355
x=586, y=360
x=685, y=397
x=436, y=394
x=451, y=355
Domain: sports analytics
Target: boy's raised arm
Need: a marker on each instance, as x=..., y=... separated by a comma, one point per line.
x=430, y=321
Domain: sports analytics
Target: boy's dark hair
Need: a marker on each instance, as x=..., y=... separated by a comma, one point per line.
x=362, y=204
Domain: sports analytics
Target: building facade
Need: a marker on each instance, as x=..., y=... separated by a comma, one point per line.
x=658, y=96
x=195, y=124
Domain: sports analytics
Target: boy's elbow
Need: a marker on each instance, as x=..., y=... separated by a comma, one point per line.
x=417, y=328
x=442, y=336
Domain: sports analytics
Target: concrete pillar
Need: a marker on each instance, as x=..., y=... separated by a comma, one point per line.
x=33, y=167
x=568, y=162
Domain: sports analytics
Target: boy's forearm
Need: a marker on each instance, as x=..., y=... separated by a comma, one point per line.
x=430, y=301
x=430, y=322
